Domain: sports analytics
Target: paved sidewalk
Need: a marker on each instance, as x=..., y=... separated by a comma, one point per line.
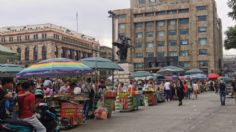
x=202, y=115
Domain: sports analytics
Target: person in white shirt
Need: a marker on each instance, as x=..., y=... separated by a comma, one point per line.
x=195, y=89
x=167, y=90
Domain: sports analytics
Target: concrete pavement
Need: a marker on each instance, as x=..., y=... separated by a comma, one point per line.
x=202, y=115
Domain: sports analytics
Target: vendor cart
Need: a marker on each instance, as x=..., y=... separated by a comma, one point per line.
x=152, y=97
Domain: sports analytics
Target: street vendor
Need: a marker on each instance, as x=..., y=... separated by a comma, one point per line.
x=65, y=88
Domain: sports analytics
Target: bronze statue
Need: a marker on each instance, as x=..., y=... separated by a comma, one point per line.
x=123, y=47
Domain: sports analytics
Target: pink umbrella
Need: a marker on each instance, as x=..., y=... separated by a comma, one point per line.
x=213, y=76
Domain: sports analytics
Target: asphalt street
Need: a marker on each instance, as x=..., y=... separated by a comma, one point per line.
x=202, y=115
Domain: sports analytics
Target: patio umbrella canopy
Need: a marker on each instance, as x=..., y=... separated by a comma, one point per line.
x=100, y=63
x=141, y=74
x=9, y=70
x=54, y=67
x=170, y=70
x=194, y=71
x=213, y=76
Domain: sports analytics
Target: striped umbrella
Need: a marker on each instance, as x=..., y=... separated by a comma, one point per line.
x=54, y=67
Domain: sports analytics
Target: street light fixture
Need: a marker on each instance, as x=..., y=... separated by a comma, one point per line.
x=113, y=16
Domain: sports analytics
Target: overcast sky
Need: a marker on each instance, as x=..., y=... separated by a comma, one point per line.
x=93, y=16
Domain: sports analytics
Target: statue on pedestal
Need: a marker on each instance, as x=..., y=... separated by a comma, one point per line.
x=123, y=47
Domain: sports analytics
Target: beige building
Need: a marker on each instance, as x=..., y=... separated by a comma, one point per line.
x=185, y=33
x=106, y=52
x=39, y=42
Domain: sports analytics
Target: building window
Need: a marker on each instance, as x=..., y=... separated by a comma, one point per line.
x=172, y=32
x=172, y=12
x=172, y=22
x=18, y=38
x=184, y=42
x=172, y=53
x=203, y=63
x=122, y=26
x=149, y=34
x=35, y=36
x=138, y=25
x=161, y=54
x=3, y=39
x=27, y=54
x=139, y=55
x=122, y=16
x=63, y=52
x=10, y=39
x=172, y=42
x=138, y=45
x=150, y=44
x=150, y=14
x=35, y=53
x=55, y=36
x=138, y=15
x=202, y=18
x=139, y=35
x=161, y=13
x=202, y=41
x=202, y=29
x=183, y=10
x=150, y=54
x=142, y=1
x=160, y=43
x=19, y=53
x=44, y=52
x=184, y=21
x=57, y=52
x=149, y=24
x=138, y=65
x=202, y=51
x=44, y=36
x=184, y=64
x=199, y=8
x=184, y=53
x=160, y=23
x=161, y=33
x=183, y=31
x=27, y=37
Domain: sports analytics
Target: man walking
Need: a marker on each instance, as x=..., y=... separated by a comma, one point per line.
x=234, y=87
x=27, y=107
x=222, y=89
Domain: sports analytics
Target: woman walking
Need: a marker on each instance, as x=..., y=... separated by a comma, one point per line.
x=195, y=89
x=180, y=91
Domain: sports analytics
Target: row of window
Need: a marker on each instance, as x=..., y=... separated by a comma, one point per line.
x=43, y=36
x=64, y=53
x=171, y=53
x=185, y=64
x=182, y=21
x=150, y=44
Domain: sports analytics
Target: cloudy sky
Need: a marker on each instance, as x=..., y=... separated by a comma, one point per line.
x=93, y=16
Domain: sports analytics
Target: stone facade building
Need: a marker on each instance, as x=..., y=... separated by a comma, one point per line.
x=106, y=52
x=39, y=42
x=186, y=33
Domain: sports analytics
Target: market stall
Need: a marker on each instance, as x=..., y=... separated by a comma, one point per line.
x=151, y=95
x=109, y=99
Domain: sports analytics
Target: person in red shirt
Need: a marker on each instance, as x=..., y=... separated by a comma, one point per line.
x=27, y=108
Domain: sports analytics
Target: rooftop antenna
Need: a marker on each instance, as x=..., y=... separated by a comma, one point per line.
x=77, y=21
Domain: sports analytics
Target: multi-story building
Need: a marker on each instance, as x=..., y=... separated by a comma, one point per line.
x=186, y=33
x=230, y=65
x=106, y=52
x=39, y=42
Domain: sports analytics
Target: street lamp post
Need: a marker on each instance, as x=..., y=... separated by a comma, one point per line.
x=113, y=16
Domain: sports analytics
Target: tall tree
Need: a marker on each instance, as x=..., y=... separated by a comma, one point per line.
x=230, y=41
x=232, y=5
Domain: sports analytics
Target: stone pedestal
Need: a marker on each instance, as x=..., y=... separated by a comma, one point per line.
x=124, y=76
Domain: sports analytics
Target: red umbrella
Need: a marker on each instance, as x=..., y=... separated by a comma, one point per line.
x=213, y=76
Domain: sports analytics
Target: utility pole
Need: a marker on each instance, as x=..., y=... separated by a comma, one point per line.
x=77, y=22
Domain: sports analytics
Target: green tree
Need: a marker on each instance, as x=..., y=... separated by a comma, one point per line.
x=230, y=41
x=232, y=5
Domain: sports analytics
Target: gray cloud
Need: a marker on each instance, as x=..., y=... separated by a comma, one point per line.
x=93, y=16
